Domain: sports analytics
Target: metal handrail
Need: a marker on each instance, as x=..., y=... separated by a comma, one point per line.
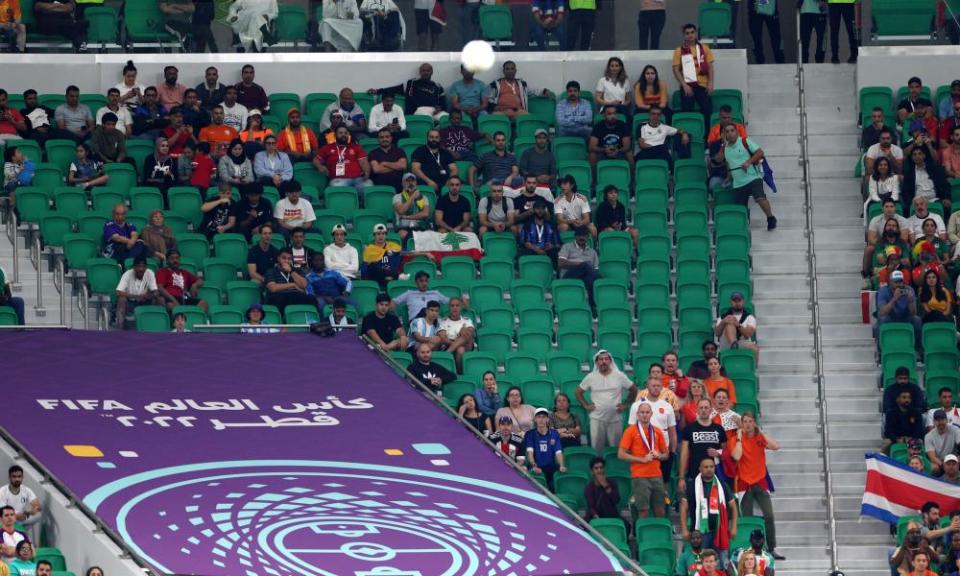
x=815, y=310
x=38, y=308
x=11, y=230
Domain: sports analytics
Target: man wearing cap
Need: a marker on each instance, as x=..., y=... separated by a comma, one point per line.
x=176, y=286
x=341, y=256
x=498, y=164
x=387, y=115
x=329, y=135
x=383, y=327
x=643, y=445
x=538, y=236
x=578, y=260
x=539, y=161
x=411, y=208
x=495, y=212
x=387, y=162
x=381, y=258
x=543, y=447
x=942, y=440
x=298, y=141
x=271, y=166
x=897, y=302
x=507, y=441
x=433, y=164
x=902, y=383
x=945, y=396
x=951, y=470
x=416, y=300
x=902, y=423
x=453, y=212
x=606, y=384
x=765, y=560
x=736, y=326
x=292, y=211
x=344, y=162
x=428, y=372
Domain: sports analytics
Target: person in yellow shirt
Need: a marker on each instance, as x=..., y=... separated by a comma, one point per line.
x=381, y=258
x=693, y=69
x=12, y=28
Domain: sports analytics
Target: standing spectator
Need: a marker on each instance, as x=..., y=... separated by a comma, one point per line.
x=942, y=440
x=583, y=17
x=285, y=285
x=262, y=256
x=549, y=19
x=428, y=372
x=749, y=451
x=507, y=441
x=292, y=211
x=458, y=139
x=846, y=10
x=423, y=95
x=137, y=286
x=693, y=69
x=344, y=162
x=743, y=158
x=59, y=18
x=488, y=396
x=613, y=88
x=601, y=494
x=650, y=90
x=73, y=116
x=383, y=327
x=411, y=209
x=219, y=214
x=902, y=423
x=12, y=28
x=760, y=14
x=211, y=91
x=610, y=138
x=218, y=135
x=178, y=287
x=433, y=164
x=469, y=95
x=574, y=115
x=298, y=141
x=538, y=236
x=663, y=417
x=23, y=500
x=350, y=112
x=650, y=21
x=690, y=561
x=695, y=393
x=249, y=93
x=387, y=162
x=170, y=92
x=271, y=166
x=495, y=212
x=813, y=17
x=457, y=332
x=572, y=209
x=520, y=414
x=702, y=439
x=453, y=212
x=430, y=19
x=605, y=383
x=386, y=115
x=544, y=449
x=538, y=161
x=643, y=445
x=712, y=509
x=341, y=256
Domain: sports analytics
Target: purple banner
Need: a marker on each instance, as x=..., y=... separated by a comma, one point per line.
x=276, y=455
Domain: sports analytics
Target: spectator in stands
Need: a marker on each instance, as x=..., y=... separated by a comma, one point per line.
x=386, y=115
x=538, y=161
x=387, y=162
x=344, y=162
x=610, y=139
x=271, y=166
x=292, y=211
x=673, y=378
x=712, y=508
x=760, y=15
x=11, y=536
x=580, y=23
x=922, y=213
x=749, y=452
x=24, y=564
x=520, y=414
x=341, y=29
x=190, y=22
x=883, y=182
x=924, y=178
x=416, y=300
x=488, y=396
x=170, y=92
x=425, y=328
x=61, y=18
x=613, y=88
x=722, y=412
x=219, y=214
x=23, y=500
x=255, y=321
x=262, y=256
x=951, y=563
x=913, y=545
x=158, y=168
x=690, y=561
x=948, y=124
x=900, y=384
x=902, y=423
x=85, y=170
x=947, y=103
x=508, y=94
x=571, y=208
x=39, y=122
x=433, y=164
x=698, y=368
x=18, y=170
x=12, y=28
x=736, y=326
x=8, y=299
x=702, y=439
x=743, y=157
x=137, y=286
x=234, y=113
x=897, y=302
x=249, y=93
x=936, y=301
x=842, y=9
x=889, y=258
x=663, y=417
x=211, y=92
x=921, y=563
x=353, y=116
x=612, y=215
x=548, y=19
x=920, y=136
x=915, y=105
x=253, y=211
x=943, y=439
x=423, y=95
x=655, y=140
x=813, y=17
x=178, y=287
x=73, y=117
x=879, y=231
x=296, y=140
x=382, y=258
x=574, y=114
x=234, y=167
x=650, y=90
x=130, y=90
x=453, y=212
x=754, y=559
x=302, y=255
x=951, y=470
x=341, y=256
x=578, y=260
x=120, y=238
x=411, y=209
x=495, y=212
x=157, y=236
x=285, y=285
x=45, y=568
x=338, y=316
x=467, y=409
x=544, y=447
x=506, y=440
x=538, y=236
x=177, y=133
x=253, y=133
x=457, y=138
x=724, y=117
x=693, y=69
x=195, y=167
x=871, y=132
x=945, y=395
x=950, y=154
x=430, y=19
x=457, y=332
x=469, y=95
x=497, y=165
x=566, y=423
x=149, y=118
x=218, y=135
x=605, y=383
x=601, y=494
x=106, y=142
x=526, y=198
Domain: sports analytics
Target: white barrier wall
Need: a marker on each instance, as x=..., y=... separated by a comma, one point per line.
x=893, y=65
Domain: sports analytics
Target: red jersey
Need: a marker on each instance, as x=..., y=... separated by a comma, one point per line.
x=175, y=282
x=342, y=161
x=203, y=171
x=9, y=126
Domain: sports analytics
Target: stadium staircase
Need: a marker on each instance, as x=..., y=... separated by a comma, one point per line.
x=28, y=285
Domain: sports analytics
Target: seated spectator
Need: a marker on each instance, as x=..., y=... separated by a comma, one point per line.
x=24, y=564
x=8, y=299
x=950, y=155
x=948, y=124
x=548, y=20
x=893, y=238
x=538, y=161
x=130, y=90
x=577, y=260
x=610, y=139
x=158, y=168
x=326, y=285
x=902, y=559
x=883, y=182
x=718, y=177
x=520, y=414
x=655, y=142
x=649, y=91
x=693, y=69
x=23, y=500
x=262, y=256
x=571, y=208
x=340, y=256
x=914, y=105
x=211, y=91
x=11, y=536
x=736, y=326
x=301, y=254
x=698, y=368
x=922, y=213
x=72, y=116
x=158, y=237
x=565, y=422
x=252, y=211
x=507, y=441
x=137, y=286
x=338, y=316
x=645, y=447
x=755, y=559
x=17, y=170
x=467, y=409
x=249, y=93
x=329, y=136
x=255, y=321
x=411, y=208
x=900, y=384
x=39, y=122
x=544, y=450
x=296, y=140
x=902, y=423
x=488, y=395
x=613, y=88
x=292, y=211
x=149, y=118
x=432, y=164
x=423, y=95
x=574, y=115
x=190, y=23
x=453, y=212
x=918, y=136
x=416, y=300
x=690, y=561
x=499, y=164
x=457, y=332
x=387, y=162
x=387, y=116
x=219, y=214
x=495, y=212
x=177, y=133
x=344, y=162
x=170, y=92
x=877, y=230
x=612, y=215
x=195, y=167
x=469, y=95
x=383, y=327
x=61, y=18
x=538, y=236
x=743, y=157
x=458, y=138
x=218, y=135
x=952, y=413
x=425, y=328
x=234, y=168
x=942, y=440
x=871, y=132
x=526, y=198
x=85, y=170
x=924, y=178
x=12, y=28
x=178, y=287
x=353, y=116
x=382, y=258
x=254, y=135
x=270, y=166
x=951, y=470
x=285, y=285
x=930, y=255
x=724, y=117
x=508, y=94
x=234, y=113
x=384, y=24
x=340, y=29
x=945, y=106
x=120, y=238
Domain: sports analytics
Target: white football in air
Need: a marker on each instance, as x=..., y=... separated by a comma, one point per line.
x=478, y=56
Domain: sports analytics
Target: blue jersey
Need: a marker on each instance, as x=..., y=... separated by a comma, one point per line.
x=544, y=446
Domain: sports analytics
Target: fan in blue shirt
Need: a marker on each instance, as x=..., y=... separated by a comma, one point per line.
x=544, y=449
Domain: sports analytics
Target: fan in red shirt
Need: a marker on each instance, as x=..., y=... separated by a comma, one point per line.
x=708, y=560
x=178, y=286
x=341, y=159
x=921, y=565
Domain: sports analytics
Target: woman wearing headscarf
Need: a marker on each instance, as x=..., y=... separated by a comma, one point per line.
x=158, y=236
x=234, y=167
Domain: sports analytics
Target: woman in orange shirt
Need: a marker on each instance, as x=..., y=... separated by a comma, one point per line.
x=716, y=381
x=689, y=408
x=254, y=134
x=650, y=90
x=750, y=452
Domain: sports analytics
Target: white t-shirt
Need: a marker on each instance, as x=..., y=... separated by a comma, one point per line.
x=605, y=392
x=135, y=100
x=294, y=214
x=728, y=419
x=124, y=118
x=381, y=119
x=19, y=502
x=608, y=91
x=453, y=327
x=663, y=417
x=953, y=416
x=750, y=320
x=11, y=540
x=130, y=284
x=656, y=136
x=344, y=260
x=916, y=224
x=873, y=152
x=572, y=209
x=879, y=221
x=924, y=186
x=235, y=116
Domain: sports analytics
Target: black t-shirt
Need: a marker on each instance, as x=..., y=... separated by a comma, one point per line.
x=278, y=276
x=607, y=216
x=871, y=135
x=690, y=495
x=264, y=212
x=437, y=170
x=611, y=135
x=523, y=204
x=216, y=217
x=265, y=261
x=394, y=178
x=386, y=327
x=909, y=106
x=426, y=372
x=700, y=439
x=453, y=211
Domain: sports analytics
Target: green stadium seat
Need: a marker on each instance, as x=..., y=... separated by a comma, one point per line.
x=563, y=367
x=714, y=21
x=226, y=314
x=498, y=317
x=533, y=341
x=543, y=108
x=617, y=317
x=195, y=315
x=692, y=123
x=566, y=148
x=78, y=249
x=69, y=200
x=32, y=204
x=655, y=318
x=61, y=153
x=898, y=18
x=145, y=24
x=102, y=30
x=537, y=269
x=103, y=275
x=616, y=269
x=612, y=172
x=152, y=319
x=496, y=24
x=242, y=293
x=232, y=248
x=459, y=269
x=937, y=336
x=581, y=171
x=653, y=531
x=576, y=343
x=217, y=272
x=495, y=343
x=300, y=314
x=941, y=361
x=527, y=126
x=122, y=175
x=53, y=227
x=577, y=458
x=501, y=245
x=307, y=175
x=652, y=174
x=536, y=317
x=475, y=364
x=29, y=148
x=655, y=342
x=731, y=97
x=572, y=485
x=537, y=392
x=521, y=366
x=896, y=336
x=48, y=176
x=738, y=361
x=576, y=317
x=567, y=293
x=104, y=199
x=747, y=524
x=617, y=342
x=146, y=199
x=616, y=245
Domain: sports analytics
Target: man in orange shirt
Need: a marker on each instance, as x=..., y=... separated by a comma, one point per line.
x=643, y=445
x=12, y=28
x=724, y=117
x=749, y=451
x=218, y=135
x=298, y=141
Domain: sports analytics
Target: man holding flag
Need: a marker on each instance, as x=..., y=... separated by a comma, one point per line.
x=712, y=508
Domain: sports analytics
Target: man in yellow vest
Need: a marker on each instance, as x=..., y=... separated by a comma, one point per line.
x=583, y=16
x=845, y=9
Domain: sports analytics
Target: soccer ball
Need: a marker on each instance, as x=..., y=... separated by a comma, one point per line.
x=477, y=56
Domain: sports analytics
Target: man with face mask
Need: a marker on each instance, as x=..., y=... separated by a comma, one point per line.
x=423, y=95
x=344, y=162
x=433, y=164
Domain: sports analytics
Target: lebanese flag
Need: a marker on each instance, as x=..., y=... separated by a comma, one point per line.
x=894, y=490
x=443, y=244
x=438, y=13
